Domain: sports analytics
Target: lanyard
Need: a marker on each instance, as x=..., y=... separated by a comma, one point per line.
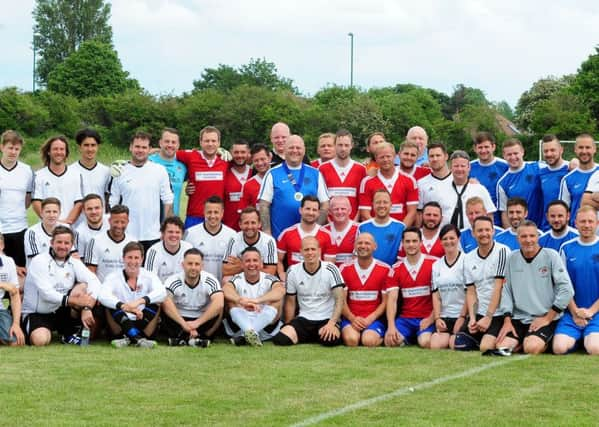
x=297, y=186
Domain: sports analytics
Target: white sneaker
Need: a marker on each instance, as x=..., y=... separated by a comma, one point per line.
x=120, y=342
x=146, y=343
x=252, y=338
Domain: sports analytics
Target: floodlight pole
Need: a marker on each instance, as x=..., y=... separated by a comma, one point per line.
x=34, y=63
x=351, y=60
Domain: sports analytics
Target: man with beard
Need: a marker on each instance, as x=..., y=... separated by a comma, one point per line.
x=484, y=270
x=431, y=225
x=487, y=168
x=104, y=253
x=343, y=230
x=142, y=186
x=521, y=180
x=58, y=180
x=475, y=207
x=343, y=175
x=260, y=156
x=516, y=213
x=401, y=187
x=408, y=154
x=289, y=243
x=238, y=174
x=249, y=236
x=551, y=174
x=413, y=278
x=558, y=216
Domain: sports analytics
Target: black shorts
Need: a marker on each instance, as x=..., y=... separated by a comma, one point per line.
x=493, y=330
x=174, y=330
x=61, y=321
x=14, y=247
x=450, y=323
x=307, y=331
x=545, y=333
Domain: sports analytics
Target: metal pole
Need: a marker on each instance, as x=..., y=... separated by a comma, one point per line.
x=351, y=60
x=34, y=63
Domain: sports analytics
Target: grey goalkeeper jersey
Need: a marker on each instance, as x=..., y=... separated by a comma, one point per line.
x=535, y=286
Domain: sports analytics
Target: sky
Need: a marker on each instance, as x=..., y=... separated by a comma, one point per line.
x=499, y=46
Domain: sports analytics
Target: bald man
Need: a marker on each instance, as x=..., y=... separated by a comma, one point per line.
x=365, y=280
x=418, y=135
x=279, y=134
x=285, y=186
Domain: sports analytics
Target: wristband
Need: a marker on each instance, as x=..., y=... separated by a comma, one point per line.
x=87, y=308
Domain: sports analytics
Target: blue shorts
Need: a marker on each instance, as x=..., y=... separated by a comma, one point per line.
x=376, y=326
x=567, y=327
x=190, y=221
x=409, y=328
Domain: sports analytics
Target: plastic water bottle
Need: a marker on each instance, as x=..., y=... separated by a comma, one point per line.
x=85, y=337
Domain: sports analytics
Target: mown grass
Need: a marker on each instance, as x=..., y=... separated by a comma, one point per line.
x=226, y=385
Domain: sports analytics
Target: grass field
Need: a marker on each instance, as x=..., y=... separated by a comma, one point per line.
x=226, y=385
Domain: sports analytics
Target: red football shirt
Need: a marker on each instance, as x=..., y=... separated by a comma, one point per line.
x=234, y=182
x=402, y=187
x=414, y=283
x=208, y=178
x=364, y=287
x=250, y=192
x=344, y=241
x=290, y=243
x=344, y=181
x=432, y=247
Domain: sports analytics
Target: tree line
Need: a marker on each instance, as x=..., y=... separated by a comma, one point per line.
x=82, y=83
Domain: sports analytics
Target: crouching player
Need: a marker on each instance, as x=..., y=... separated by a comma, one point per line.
x=59, y=293
x=449, y=290
x=193, y=310
x=412, y=277
x=317, y=287
x=365, y=280
x=132, y=297
x=254, y=300
x=537, y=290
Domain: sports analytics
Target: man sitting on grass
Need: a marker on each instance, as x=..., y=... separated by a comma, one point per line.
x=132, y=297
x=193, y=309
x=59, y=293
x=317, y=287
x=254, y=299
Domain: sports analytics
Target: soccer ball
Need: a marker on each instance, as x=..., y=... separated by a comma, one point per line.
x=116, y=168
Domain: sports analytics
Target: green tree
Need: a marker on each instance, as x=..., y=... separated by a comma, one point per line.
x=541, y=90
x=463, y=96
x=563, y=114
x=94, y=69
x=505, y=110
x=61, y=26
x=586, y=83
x=258, y=72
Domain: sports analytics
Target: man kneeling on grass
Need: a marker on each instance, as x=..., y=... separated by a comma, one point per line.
x=59, y=293
x=132, y=297
x=193, y=309
x=254, y=300
x=536, y=292
x=317, y=287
